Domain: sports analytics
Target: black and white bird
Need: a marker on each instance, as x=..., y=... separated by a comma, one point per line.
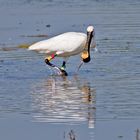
x=66, y=45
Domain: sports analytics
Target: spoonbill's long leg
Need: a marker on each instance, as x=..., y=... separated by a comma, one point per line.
x=61, y=70
x=63, y=67
x=80, y=65
x=49, y=58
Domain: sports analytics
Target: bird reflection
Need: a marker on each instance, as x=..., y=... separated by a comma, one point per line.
x=60, y=100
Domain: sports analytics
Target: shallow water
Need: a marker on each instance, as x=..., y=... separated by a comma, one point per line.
x=100, y=102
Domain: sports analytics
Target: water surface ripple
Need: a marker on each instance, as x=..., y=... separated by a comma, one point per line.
x=59, y=100
x=105, y=90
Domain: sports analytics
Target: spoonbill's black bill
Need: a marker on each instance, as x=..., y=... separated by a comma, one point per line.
x=66, y=45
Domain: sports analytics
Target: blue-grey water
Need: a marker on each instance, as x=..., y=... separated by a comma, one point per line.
x=101, y=101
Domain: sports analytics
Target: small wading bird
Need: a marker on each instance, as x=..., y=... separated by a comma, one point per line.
x=66, y=45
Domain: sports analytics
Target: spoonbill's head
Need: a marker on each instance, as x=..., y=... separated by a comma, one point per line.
x=90, y=29
x=86, y=52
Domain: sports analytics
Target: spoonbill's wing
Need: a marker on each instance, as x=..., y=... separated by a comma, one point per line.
x=70, y=42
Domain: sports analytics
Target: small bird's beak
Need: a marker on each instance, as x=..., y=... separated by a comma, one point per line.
x=86, y=52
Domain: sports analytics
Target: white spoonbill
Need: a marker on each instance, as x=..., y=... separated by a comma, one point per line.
x=66, y=45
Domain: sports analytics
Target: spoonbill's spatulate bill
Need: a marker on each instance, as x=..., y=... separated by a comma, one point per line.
x=66, y=45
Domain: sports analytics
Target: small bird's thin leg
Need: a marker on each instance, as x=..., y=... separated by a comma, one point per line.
x=49, y=58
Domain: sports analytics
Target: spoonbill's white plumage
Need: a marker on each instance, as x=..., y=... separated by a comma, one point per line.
x=66, y=45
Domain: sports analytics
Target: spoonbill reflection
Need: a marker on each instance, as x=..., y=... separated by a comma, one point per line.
x=66, y=45
x=57, y=100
